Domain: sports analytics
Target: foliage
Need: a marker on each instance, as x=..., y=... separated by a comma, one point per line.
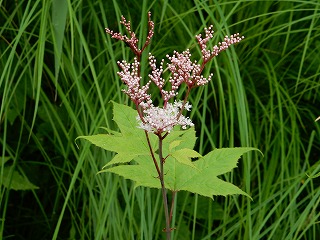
x=199, y=176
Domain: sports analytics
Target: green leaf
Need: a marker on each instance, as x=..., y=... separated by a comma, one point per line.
x=143, y=174
x=179, y=139
x=202, y=179
x=127, y=145
x=181, y=173
x=184, y=156
x=186, y=138
x=314, y=176
x=121, y=158
x=131, y=142
x=4, y=160
x=125, y=117
x=12, y=179
x=174, y=144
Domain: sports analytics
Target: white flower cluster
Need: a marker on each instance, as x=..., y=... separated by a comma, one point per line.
x=159, y=120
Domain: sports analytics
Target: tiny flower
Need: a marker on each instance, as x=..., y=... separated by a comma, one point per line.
x=132, y=40
x=130, y=76
x=158, y=120
x=156, y=73
x=184, y=70
x=159, y=81
x=209, y=54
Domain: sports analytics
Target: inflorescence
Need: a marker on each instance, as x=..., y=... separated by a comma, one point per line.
x=182, y=70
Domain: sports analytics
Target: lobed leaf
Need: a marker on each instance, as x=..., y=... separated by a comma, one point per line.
x=184, y=156
x=132, y=142
x=181, y=173
x=201, y=179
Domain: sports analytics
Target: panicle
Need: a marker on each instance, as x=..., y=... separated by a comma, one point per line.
x=159, y=81
x=130, y=76
x=132, y=40
x=207, y=55
x=182, y=70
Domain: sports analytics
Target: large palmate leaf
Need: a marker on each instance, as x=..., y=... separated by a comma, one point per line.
x=181, y=173
x=130, y=143
x=201, y=179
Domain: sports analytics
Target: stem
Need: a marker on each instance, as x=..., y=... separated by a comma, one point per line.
x=182, y=108
x=172, y=204
x=152, y=154
x=160, y=170
x=164, y=191
x=184, y=101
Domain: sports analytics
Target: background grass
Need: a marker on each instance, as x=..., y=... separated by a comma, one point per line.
x=58, y=74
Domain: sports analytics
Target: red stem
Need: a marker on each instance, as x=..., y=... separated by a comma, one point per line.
x=164, y=191
x=152, y=155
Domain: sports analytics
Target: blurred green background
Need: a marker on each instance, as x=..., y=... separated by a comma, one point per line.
x=58, y=73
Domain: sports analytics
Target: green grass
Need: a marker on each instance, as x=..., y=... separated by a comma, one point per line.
x=58, y=75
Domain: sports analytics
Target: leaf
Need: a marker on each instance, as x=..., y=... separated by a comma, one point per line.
x=125, y=117
x=184, y=156
x=120, y=158
x=181, y=173
x=314, y=176
x=174, y=144
x=132, y=142
x=202, y=180
x=126, y=145
x=143, y=174
x=179, y=139
x=4, y=160
x=12, y=179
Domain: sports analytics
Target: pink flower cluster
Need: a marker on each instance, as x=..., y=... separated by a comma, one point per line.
x=207, y=55
x=182, y=70
x=131, y=77
x=132, y=41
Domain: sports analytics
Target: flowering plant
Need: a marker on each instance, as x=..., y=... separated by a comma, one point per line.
x=158, y=141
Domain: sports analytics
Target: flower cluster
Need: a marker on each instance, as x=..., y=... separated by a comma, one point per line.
x=130, y=76
x=207, y=55
x=182, y=70
x=158, y=120
x=133, y=40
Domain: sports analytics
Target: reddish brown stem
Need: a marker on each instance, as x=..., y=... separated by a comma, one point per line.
x=172, y=204
x=164, y=191
x=152, y=154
